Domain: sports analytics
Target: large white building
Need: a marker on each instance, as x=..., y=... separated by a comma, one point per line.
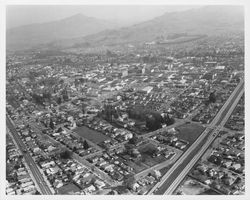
x=147, y=89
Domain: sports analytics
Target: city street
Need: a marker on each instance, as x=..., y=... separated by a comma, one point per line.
x=44, y=188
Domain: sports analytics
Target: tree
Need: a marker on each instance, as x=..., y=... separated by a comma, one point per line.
x=61, y=81
x=212, y=97
x=47, y=95
x=51, y=124
x=59, y=100
x=66, y=154
x=37, y=192
x=137, y=113
x=153, y=121
x=16, y=167
x=85, y=145
x=129, y=146
x=65, y=97
x=74, y=149
x=59, y=130
x=84, y=107
x=38, y=99
x=169, y=120
x=65, y=94
x=129, y=181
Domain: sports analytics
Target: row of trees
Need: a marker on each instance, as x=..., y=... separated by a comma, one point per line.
x=153, y=119
x=46, y=96
x=211, y=99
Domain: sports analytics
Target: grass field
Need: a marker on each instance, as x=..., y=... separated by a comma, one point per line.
x=68, y=189
x=189, y=132
x=91, y=135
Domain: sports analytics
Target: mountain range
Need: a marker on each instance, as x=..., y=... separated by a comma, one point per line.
x=79, y=29
x=75, y=26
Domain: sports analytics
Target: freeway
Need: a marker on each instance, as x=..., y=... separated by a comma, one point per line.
x=44, y=188
x=222, y=120
x=178, y=171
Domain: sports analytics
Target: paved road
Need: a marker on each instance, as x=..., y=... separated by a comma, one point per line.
x=44, y=188
x=222, y=120
x=176, y=173
x=80, y=159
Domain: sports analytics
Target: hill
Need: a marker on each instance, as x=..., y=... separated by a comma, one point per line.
x=87, y=32
x=207, y=20
x=40, y=33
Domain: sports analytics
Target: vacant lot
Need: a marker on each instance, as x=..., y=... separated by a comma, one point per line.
x=189, y=132
x=68, y=189
x=91, y=135
x=192, y=187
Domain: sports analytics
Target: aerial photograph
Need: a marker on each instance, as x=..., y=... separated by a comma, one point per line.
x=124, y=100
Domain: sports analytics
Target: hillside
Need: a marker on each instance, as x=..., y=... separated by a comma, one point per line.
x=74, y=26
x=81, y=31
x=208, y=20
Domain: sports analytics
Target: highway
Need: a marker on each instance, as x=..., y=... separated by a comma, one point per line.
x=222, y=120
x=177, y=172
x=40, y=182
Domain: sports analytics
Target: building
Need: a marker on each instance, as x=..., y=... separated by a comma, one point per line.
x=147, y=89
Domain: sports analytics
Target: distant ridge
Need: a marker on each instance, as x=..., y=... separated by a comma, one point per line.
x=74, y=26
x=82, y=31
x=207, y=20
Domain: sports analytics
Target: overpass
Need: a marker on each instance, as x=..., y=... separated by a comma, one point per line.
x=179, y=170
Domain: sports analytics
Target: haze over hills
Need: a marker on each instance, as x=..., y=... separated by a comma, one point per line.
x=74, y=26
x=81, y=30
x=209, y=20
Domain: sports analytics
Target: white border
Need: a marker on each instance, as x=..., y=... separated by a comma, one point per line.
x=119, y=2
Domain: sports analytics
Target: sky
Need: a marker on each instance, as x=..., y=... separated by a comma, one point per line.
x=18, y=15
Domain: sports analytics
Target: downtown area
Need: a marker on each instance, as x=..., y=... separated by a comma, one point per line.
x=165, y=116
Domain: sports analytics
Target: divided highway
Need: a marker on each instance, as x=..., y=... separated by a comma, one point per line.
x=44, y=188
x=181, y=167
x=179, y=170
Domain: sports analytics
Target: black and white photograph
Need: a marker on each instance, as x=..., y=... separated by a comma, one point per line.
x=124, y=99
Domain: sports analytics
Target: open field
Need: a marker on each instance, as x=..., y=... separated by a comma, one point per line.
x=68, y=189
x=91, y=135
x=189, y=132
x=192, y=187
